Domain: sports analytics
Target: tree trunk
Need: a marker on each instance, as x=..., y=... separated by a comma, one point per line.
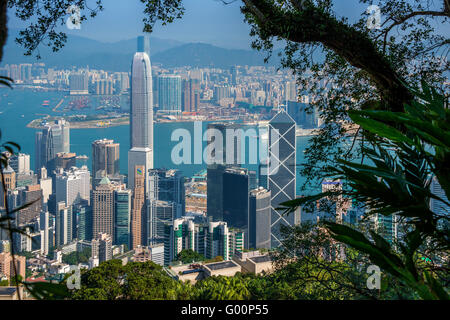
x=312, y=25
x=3, y=25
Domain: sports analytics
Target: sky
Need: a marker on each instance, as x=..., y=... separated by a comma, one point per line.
x=208, y=21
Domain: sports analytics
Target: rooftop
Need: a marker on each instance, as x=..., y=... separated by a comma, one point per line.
x=221, y=265
x=7, y=291
x=260, y=259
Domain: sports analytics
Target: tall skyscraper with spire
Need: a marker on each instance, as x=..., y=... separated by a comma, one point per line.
x=141, y=118
x=141, y=124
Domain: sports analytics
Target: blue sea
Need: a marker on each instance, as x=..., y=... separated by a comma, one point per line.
x=18, y=107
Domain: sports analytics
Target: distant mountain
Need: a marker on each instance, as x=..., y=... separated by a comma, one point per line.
x=206, y=55
x=117, y=56
x=80, y=51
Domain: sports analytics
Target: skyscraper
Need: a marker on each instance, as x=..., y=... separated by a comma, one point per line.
x=143, y=44
x=223, y=241
x=65, y=160
x=224, y=155
x=281, y=172
x=169, y=93
x=178, y=235
x=259, y=219
x=438, y=207
x=73, y=185
x=20, y=163
x=139, y=157
x=236, y=188
x=291, y=91
x=160, y=214
x=167, y=185
x=122, y=217
x=141, y=120
x=102, y=247
x=51, y=140
x=31, y=194
x=138, y=208
x=103, y=207
x=190, y=95
x=105, y=159
x=44, y=228
x=78, y=83
x=63, y=230
x=83, y=213
x=10, y=183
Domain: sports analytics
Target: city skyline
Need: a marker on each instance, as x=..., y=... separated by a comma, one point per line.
x=177, y=165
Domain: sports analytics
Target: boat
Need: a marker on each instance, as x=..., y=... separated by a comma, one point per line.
x=46, y=103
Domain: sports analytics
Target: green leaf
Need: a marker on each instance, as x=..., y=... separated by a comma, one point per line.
x=47, y=290
x=379, y=128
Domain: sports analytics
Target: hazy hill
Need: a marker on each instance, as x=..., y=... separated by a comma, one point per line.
x=81, y=52
x=203, y=55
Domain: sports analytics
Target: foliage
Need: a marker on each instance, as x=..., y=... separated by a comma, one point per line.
x=222, y=288
x=188, y=256
x=215, y=259
x=327, y=269
x=76, y=257
x=406, y=151
x=111, y=280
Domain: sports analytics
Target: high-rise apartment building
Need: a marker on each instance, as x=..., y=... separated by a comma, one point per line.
x=31, y=194
x=223, y=241
x=7, y=266
x=210, y=240
x=102, y=247
x=291, y=91
x=169, y=93
x=78, y=83
x=190, y=95
x=178, y=235
x=25, y=72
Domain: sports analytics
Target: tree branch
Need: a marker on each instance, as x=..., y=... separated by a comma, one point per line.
x=314, y=25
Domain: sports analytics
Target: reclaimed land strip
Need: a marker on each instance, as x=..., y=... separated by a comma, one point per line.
x=89, y=124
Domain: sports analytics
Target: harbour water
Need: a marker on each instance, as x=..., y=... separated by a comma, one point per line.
x=19, y=107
